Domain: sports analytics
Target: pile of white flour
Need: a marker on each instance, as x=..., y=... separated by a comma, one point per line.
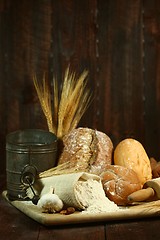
x=91, y=195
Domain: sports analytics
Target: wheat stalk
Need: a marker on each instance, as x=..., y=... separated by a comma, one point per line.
x=81, y=109
x=55, y=105
x=64, y=168
x=77, y=103
x=45, y=101
x=69, y=104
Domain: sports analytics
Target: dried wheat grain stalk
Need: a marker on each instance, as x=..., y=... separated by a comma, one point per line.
x=64, y=168
x=45, y=100
x=69, y=103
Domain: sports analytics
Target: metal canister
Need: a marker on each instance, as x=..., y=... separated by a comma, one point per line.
x=28, y=152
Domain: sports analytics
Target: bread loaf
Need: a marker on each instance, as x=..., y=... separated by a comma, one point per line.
x=89, y=149
x=131, y=154
x=155, y=166
x=119, y=182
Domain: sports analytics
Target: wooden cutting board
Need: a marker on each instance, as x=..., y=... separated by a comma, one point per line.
x=133, y=212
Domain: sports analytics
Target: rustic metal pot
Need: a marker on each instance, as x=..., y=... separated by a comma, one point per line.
x=28, y=153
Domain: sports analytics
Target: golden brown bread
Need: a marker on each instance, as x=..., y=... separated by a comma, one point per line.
x=119, y=182
x=89, y=149
x=155, y=166
x=131, y=154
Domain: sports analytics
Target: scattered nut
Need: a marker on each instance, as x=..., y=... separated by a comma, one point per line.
x=70, y=210
x=67, y=211
x=63, y=212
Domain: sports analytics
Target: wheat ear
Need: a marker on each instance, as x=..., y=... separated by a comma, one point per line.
x=69, y=104
x=45, y=101
x=73, y=102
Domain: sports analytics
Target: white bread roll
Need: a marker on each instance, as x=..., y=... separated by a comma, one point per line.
x=119, y=182
x=131, y=154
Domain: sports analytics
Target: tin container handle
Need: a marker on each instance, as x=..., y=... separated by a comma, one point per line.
x=28, y=176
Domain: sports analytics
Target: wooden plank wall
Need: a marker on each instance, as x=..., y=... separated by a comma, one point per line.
x=118, y=41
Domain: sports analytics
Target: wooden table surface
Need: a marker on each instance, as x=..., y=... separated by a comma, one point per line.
x=14, y=225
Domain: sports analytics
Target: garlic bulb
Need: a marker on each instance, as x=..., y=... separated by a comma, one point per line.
x=50, y=203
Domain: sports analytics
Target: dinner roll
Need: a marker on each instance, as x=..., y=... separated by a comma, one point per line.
x=119, y=182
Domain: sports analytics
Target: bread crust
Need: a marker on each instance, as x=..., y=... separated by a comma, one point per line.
x=131, y=154
x=89, y=149
x=119, y=182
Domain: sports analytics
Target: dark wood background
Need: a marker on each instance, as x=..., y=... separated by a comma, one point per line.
x=118, y=41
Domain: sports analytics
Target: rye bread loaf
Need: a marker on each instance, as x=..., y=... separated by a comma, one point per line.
x=119, y=182
x=90, y=150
